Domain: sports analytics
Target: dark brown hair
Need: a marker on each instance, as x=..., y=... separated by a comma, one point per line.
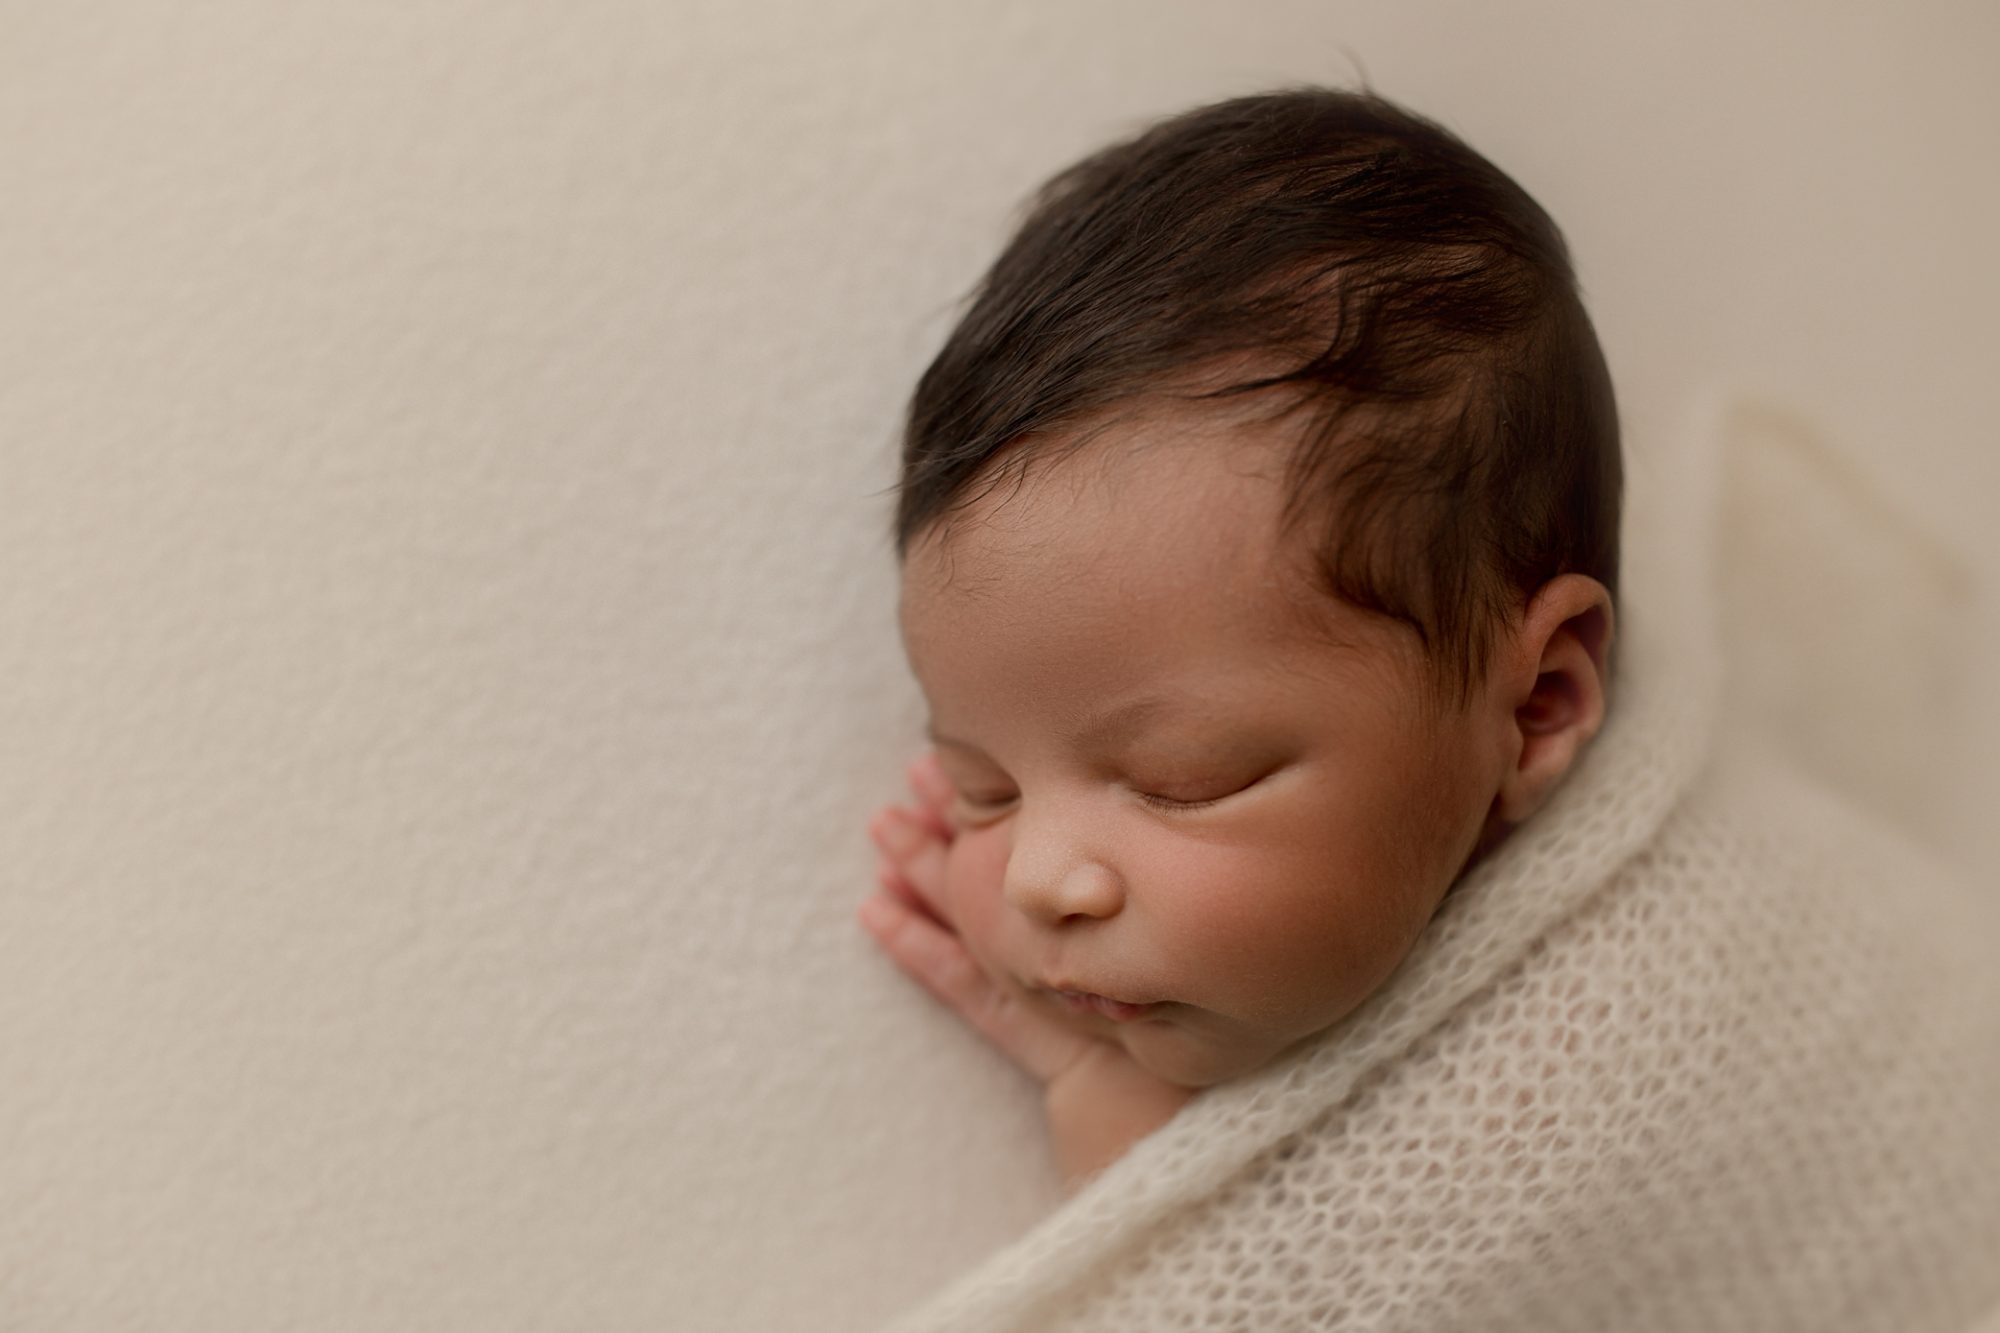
x=1459, y=439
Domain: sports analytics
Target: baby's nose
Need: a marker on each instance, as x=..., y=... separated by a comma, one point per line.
x=1083, y=890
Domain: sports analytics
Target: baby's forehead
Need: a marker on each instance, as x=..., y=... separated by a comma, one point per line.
x=1125, y=500
x=1175, y=518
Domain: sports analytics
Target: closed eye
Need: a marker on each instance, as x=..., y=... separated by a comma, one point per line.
x=984, y=806
x=1169, y=803
x=1159, y=802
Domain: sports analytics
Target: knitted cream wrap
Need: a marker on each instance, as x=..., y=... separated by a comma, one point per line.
x=1699, y=1048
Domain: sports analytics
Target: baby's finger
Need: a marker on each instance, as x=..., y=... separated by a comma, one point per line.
x=915, y=849
x=934, y=821
x=936, y=959
x=934, y=790
x=929, y=953
x=897, y=886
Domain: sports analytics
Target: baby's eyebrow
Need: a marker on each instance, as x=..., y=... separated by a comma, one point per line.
x=1109, y=728
x=1119, y=724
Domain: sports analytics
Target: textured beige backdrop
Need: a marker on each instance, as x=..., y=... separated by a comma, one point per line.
x=446, y=651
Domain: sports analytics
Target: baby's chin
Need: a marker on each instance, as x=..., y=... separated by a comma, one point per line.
x=1194, y=1059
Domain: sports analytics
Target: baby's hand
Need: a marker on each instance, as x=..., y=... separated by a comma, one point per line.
x=909, y=916
x=1098, y=1099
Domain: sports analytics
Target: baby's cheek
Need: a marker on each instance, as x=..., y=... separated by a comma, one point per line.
x=975, y=876
x=976, y=868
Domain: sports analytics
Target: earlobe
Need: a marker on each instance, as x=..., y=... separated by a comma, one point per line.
x=1557, y=688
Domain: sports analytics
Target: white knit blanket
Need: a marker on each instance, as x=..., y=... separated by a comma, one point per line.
x=1699, y=1048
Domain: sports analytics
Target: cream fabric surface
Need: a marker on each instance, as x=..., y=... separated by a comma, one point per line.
x=1702, y=1047
x=1844, y=621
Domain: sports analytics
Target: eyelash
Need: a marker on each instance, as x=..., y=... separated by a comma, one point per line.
x=1169, y=803
x=1157, y=802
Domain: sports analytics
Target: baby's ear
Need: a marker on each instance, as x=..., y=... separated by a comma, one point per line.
x=1554, y=671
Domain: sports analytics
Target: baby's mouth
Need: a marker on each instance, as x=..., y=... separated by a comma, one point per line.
x=1083, y=1002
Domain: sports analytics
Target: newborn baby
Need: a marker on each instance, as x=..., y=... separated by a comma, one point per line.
x=1259, y=528
x=1259, y=532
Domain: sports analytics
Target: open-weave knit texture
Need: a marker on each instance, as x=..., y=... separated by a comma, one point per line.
x=1698, y=1048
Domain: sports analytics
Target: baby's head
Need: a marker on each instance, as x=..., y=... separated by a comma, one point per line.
x=1259, y=532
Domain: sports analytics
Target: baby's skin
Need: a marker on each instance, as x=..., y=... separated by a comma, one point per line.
x=1097, y=1099
x=1184, y=810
